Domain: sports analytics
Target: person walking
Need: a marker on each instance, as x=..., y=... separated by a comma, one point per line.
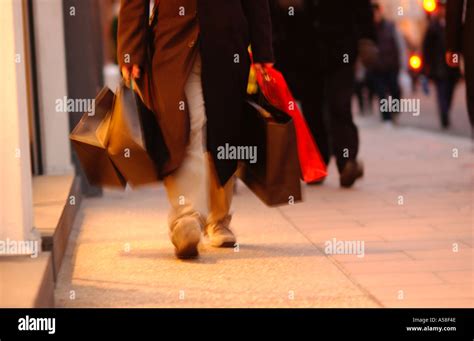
x=459, y=27
x=435, y=66
x=326, y=40
x=383, y=75
x=192, y=67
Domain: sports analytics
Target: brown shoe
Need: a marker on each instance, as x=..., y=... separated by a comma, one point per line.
x=220, y=235
x=185, y=236
x=352, y=171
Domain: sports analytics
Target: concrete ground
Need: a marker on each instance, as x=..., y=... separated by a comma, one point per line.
x=429, y=115
x=413, y=212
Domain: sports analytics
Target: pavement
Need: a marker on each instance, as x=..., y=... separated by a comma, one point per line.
x=429, y=116
x=412, y=213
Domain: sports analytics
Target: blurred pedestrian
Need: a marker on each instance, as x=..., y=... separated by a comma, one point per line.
x=362, y=89
x=323, y=40
x=459, y=27
x=435, y=66
x=383, y=76
x=199, y=70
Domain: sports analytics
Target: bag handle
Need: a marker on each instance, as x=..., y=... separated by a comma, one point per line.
x=132, y=85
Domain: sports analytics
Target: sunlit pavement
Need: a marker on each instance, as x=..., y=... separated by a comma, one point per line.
x=412, y=211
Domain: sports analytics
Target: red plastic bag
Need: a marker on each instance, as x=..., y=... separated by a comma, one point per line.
x=273, y=86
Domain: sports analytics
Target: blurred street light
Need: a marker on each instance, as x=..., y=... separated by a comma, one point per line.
x=415, y=62
x=429, y=5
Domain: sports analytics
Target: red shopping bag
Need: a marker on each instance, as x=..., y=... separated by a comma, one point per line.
x=273, y=86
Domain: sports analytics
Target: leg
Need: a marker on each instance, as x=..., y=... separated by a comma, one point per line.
x=452, y=81
x=370, y=91
x=442, y=97
x=469, y=75
x=186, y=188
x=220, y=197
x=344, y=132
x=220, y=200
x=359, y=86
x=394, y=91
x=450, y=86
x=379, y=88
x=312, y=103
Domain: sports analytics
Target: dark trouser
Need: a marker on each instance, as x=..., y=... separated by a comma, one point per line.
x=469, y=75
x=444, y=92
x=326, y=104
x=385, y=84
x=359, y=92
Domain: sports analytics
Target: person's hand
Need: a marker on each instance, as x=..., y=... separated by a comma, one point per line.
x=453, y=59
x=262, y=68
x=130, y=72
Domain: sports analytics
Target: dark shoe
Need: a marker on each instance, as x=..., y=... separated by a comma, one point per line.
x=352, y=171
x=185, y=236
x=219, y=234
x=445, y=121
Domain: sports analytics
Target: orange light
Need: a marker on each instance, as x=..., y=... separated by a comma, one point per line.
x=429, y=5
x=415, y=62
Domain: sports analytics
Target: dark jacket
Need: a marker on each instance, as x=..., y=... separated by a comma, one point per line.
x=288, y=43
x=324, y=30
x=459, y=37
x=221, y=31
x=389, y=54
x=459, y=32
x=434, y=51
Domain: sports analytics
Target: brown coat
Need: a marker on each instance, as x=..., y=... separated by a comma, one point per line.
x=221, y=32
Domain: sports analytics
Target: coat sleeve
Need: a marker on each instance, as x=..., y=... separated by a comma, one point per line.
x=133, y=32
x=454, y=12
x=260, y=28
x=364, y=19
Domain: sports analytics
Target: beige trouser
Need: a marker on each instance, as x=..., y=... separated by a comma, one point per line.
x=194, y=189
